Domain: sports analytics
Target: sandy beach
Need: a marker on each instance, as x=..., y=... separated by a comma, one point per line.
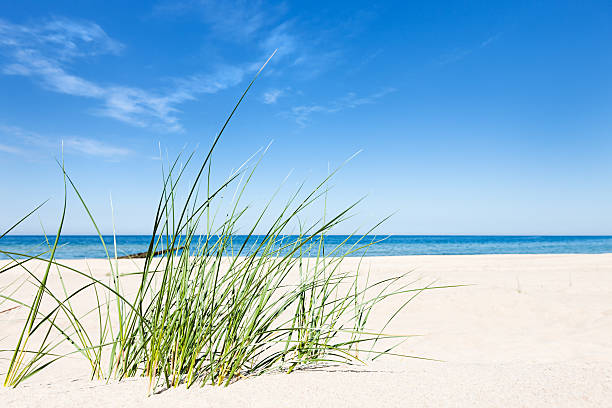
x=530, y=330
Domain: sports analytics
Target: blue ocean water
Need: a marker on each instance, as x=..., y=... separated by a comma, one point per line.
x=89, y=246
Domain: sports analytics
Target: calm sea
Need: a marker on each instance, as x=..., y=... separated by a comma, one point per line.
x=88, y=246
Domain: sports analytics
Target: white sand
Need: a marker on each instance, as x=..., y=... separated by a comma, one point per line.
x=534, y=331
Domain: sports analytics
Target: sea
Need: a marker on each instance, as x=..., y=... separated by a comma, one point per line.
x=90, y=246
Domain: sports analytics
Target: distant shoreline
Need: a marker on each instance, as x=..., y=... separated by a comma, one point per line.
x=89, y=246
x=368, y=235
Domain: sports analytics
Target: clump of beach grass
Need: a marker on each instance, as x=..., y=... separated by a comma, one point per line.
x=215, y=310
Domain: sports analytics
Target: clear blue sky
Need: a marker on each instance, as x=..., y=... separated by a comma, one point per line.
x=475, y=117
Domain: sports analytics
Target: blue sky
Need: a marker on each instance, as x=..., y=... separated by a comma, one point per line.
x=472, y=117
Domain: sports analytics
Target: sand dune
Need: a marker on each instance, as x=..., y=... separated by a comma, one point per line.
x=532, y=330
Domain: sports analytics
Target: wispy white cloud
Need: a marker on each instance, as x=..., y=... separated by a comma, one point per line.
x=43, y=52
x=301, y=114
x=454, y=55
x=303, y=50
x=20, y=136
x=238, y=21
x=59, y=38
x=280, y=38
x=367, y=59
x=304, y=53
x=25, y=141
x=94, y=147
x=271, y=96
x=490, y=40
x=10, y=149
x=458, y=54
x=233, y=20
x=30, y=62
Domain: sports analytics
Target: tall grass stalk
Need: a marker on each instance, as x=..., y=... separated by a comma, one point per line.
x=217, y=310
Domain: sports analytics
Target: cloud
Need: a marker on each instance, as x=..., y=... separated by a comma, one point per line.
x=32, y=141
x=59, y=38
x=281, y=39
x=94, y=147
x=17, y=134
x=301, y=114
x=490, y=40
x=272, y=96
x=29, y=62
x=460, y=53
x=9, y=149
x=238, y=21
x=305, y=50
x=44, y=53
x=233, y=20
x=454, y=56
x=159, y=110
x=305, y=53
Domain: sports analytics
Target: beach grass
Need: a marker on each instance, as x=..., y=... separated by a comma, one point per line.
x=210, y=310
